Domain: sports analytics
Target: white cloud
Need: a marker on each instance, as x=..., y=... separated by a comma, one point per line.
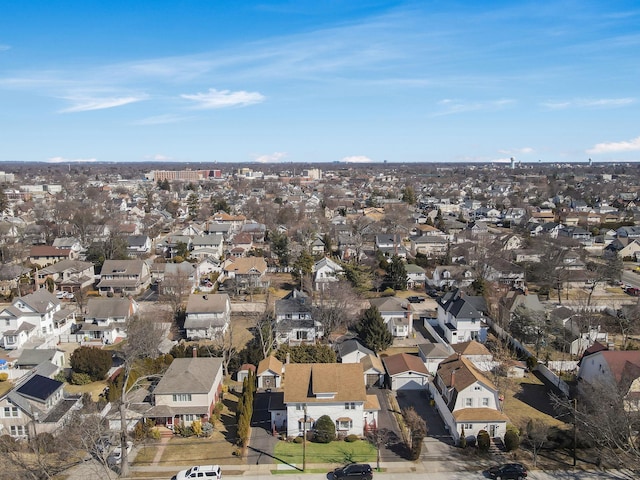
x=224, y=98
x=589, y=103
x=357, y=159
x=616, y=147
x=70, y=160
x=270, y=158
x=84, y=104
x=158, y=157
x=452, y=106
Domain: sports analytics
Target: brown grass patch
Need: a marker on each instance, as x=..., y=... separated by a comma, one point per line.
x=94, y=388
x=526, y=399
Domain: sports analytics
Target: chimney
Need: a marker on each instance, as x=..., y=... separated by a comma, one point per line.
x=194, y=352
x=288, y=358
x=453, y=378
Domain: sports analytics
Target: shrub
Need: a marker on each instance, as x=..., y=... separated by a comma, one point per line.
x=61, y=376
x=388, y=292
x=532, y=363
x=325, y=431
x=196, y=426
x=95, y=362
x=80, y=379
x=298, y=440
x=511, y=440
x=462, y=443
x=207, y=429
x=484, y=441
x=4, y=377
x=351, y=438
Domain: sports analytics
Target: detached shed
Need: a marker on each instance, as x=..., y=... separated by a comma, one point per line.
x=406, y=372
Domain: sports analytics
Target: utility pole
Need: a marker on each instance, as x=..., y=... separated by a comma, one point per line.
x=304, y=440
x=575, y=429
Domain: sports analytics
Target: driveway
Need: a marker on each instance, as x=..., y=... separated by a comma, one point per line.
x=393, y=447
x=262, y=443
x=438, y=442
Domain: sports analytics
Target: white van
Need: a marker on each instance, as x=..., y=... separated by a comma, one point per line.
x=211, y=472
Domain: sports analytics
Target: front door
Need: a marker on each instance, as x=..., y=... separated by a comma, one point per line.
x=492, y=431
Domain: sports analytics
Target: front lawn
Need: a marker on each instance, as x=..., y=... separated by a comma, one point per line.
x=339, y=452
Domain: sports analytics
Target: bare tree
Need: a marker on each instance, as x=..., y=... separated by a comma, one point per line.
x=537, y=432
x=338, y=306
x=176, y=287
x=144, y=335
x=264, y=332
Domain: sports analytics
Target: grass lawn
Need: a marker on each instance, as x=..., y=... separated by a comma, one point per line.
x=94, y=388
x=339, y=452
x=180, y=451
x=528, y=399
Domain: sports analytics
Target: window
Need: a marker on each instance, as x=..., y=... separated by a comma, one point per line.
x=477, y=388
x=18, y=430
x=301, y=334
x=181, y=397
x=350, y=406
x=344, y=424
x=468, y=426
x=189, y=417
x=485, y=402
x=10, y=412
x=468, y=402
x=298, y=406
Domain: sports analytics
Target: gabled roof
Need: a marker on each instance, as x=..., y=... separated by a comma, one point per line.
x=471, y=347
x=207, y=303
x=271, y=363
x=31, y=357
x=40, y=301
x=247, y=265
x=403, y=362
x=455, y=303
x=48, y=251
x=352, y=345
x=390, y=304
x=39, y=388
x=458, y=372
x=103, y=308
x=189, y=375
x=303, y=381
x=619, y=361
x=434, y=350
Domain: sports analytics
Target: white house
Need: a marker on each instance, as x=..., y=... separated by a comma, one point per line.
x=416, y=276
x=312, y=390
x=459, y=319
x=477, y=353
x=269, y=373
x=105, y=319
x=207, y=315
x=396, y=313
x=452, y=276
x=465, y=398
x=325, y=271
x=432, y=354
x=293, y=323
x=37, y=317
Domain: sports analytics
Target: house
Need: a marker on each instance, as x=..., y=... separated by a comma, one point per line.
x=373, y=370
x=105, y=320
x=246, y=272
x=31, y=358
x=36, y=318
x=352, y=351
x=505, y=273
x=429, y=245
x=68, y=275
x=138, y=245
x=325, y=271
x=432, y=354
x=207, y=246
x=294, y=324
x=208, y=315
x=390, y=245
x=514, y=300
x=416, y=276
x=71, y=243
x=624, y=247
x=459, y=320
x=37, y=404
x=269, y=373
x=43, y=255
x=405, y=372
x=124, y=277
x=240, y=245
x=396, y=313
x=188, y=391
x=475, y=352
x=312, y=390
x=317, y=247
x=452, y=276
x=466, y=399
x=244, y=370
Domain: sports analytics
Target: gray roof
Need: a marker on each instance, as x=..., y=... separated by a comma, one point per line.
x=189, y=375
x=352, y=345
x=40, y=300
x=30, y=357
x=294, y=302
x=434, y=350
x=102, y=308
x=207, y=303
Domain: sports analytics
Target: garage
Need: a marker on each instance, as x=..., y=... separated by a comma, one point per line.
x=409, y=381
x=406, y=372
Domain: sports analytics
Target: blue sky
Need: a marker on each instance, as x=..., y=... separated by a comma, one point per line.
x=319, y=81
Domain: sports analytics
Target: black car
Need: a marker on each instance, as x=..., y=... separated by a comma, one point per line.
x=515, y=471
x=415, y=299
x=354, y=470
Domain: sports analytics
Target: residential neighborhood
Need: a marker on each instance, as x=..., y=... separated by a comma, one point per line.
x=418, y=311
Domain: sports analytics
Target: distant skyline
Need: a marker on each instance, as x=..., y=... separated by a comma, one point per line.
x=319, y=81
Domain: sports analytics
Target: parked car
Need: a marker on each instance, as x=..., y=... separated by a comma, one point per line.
x=354, y=470
x=212, y=472
x=115, y=457
x=415, y=299
x=505, y=471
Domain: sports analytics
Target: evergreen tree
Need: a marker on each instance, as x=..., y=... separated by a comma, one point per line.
x=397, y=274
x=372, y=330
x=302, y=268
x=280, y=246
x=409, y=195
x=193, y=205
